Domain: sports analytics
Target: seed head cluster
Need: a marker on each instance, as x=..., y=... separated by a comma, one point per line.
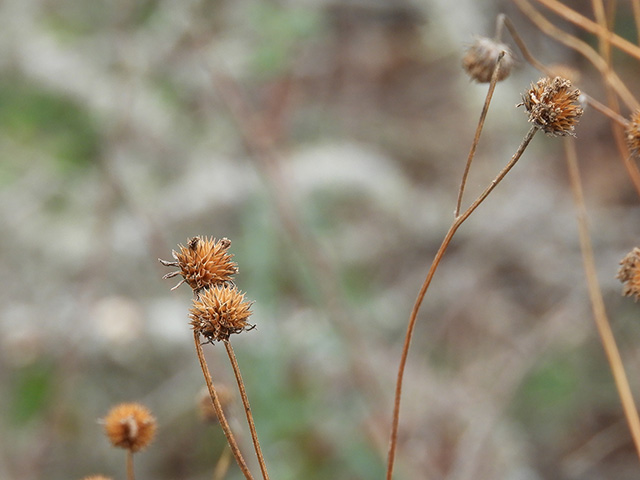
x=219, y=308
x=633, y=134
x=480, y=60
x=130, y=426
x=552, y=104
x=629, y=273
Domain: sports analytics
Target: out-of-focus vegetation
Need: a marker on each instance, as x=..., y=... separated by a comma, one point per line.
x=326, y=140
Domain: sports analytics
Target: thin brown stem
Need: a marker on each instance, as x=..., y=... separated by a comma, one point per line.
x=218, y=408
x=597, y=302
x=476, y=138
x=393, y=441
x=130, y=474
x=247, y=408
x=523, y=47
x=222, y=467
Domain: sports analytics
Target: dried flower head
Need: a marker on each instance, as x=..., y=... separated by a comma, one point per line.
x=480, y=60
x=633, y=134
x=205, y=406
x=203, y=262
x=219, y=312
x=553, y=105
x=629, y=273
x=130, y=426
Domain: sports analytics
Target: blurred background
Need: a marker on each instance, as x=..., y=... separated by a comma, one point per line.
x=326, y=139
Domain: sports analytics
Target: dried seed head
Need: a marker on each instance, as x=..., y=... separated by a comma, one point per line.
x=205, y=405
x=481, y=57
x=203, y=262
x=553, y=105
x=633, y=134
x=629, y=273
x=219, y=312
x=130, y=426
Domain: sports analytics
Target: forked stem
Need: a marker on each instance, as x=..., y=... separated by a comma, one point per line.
x=393, y=441
x=597, y=302
x=247, y=408
x=218, y=408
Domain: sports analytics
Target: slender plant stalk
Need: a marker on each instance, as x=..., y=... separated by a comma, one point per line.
x=247, y=408
x=218, y=408
x=597, y=302
x=130, y=474
x=393, y=441
x=476, y=138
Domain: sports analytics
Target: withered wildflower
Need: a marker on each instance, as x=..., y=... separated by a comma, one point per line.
x=629, y=273
x=553, y=105
x=633, y=134
x=203, y=262
x=480, y=60
x=219, y=312
x=130, y=426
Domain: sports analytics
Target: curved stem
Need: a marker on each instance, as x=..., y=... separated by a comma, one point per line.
x=393, y=441
x=247, y=408
x=218, y=408
x=597, y=302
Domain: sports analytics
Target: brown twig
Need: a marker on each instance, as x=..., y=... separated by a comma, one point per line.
x=218, y=408
x=597, y=302
x=425, y=285
x=130, y=474
x=247, y=408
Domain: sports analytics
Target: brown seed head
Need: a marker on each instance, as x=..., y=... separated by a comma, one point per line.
x=130, y=426
x=219, y=312
x=205, y=405
x=481, y=57
x=553, y=105
x=629, y=273
x=203, y=262
x=633, y=134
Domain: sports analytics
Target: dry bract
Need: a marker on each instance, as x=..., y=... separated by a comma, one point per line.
x=219, y=312
x=130, y=426
x=629, y=273
x=481, y=57
x=633, y=134
x=203, y=262
x=553, y=105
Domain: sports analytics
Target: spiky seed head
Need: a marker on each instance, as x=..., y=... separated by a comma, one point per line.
x=629, y=273
x=480, y=60
x=219, y=312
x=203, y=262
x=633, y=134
x=130, y=426
x=552, y=104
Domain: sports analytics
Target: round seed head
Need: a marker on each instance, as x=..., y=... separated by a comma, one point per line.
x=629, y=273
x=203, y=262
x=130, y=426
x=552, y=104
x=633, y=134
x=480, y=60
x=219, y=312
